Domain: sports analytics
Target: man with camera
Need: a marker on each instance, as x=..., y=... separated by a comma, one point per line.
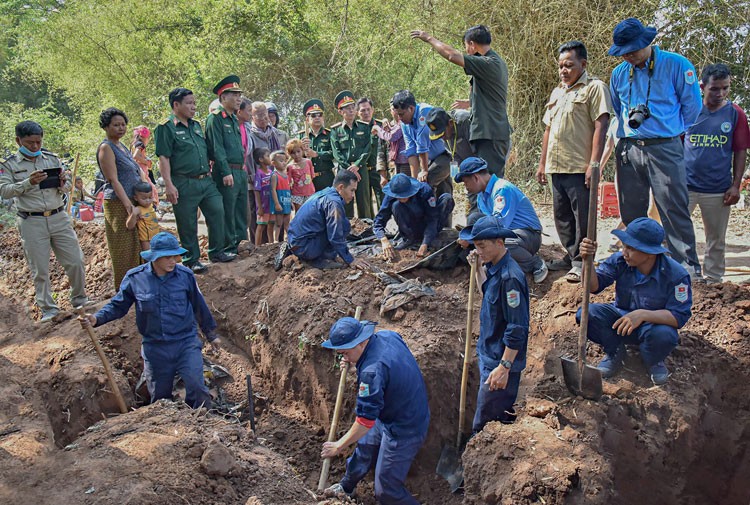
x=656, y=98
x=37, y=182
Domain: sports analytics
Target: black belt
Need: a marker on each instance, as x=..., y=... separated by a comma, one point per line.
x=198, y=177
x=235, y=166
x=649, y=142
x=46, y=213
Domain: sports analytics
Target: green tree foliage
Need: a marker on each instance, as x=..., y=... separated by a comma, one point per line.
x=65, y=61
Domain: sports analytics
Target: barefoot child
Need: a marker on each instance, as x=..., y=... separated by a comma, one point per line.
x=262, y=193
x=280, y=193
x=301, y=172
x=143, y=216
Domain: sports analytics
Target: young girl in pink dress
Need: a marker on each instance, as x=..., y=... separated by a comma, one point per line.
x=281, y=195
x=301, y=172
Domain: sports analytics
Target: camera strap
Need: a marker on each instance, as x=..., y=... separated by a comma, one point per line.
x=631, y=76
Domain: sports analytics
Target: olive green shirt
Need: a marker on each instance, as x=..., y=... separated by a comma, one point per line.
x=224, y=142
x=14, y=183
x=489, y=94
x=378, y=149
x=184, y=145
x=321, y=144
x=351, y=146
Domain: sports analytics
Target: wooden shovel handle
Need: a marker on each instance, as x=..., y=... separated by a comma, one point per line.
x=73, y=183
x=467, y=348
x=336, y=414
x=588, y=270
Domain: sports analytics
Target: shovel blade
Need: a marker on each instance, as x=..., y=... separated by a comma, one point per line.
x=451, y=468
x=590, y=387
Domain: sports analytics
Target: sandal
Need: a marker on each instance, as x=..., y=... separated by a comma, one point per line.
x=574, y=275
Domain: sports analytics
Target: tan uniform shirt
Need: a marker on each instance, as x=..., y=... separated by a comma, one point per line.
x=571, y=115
x=14, y=183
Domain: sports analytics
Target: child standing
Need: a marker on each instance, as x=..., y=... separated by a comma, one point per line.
x=301, y=172
x=78, y=197
x=281, y=194
x=143, y=216
x=262, y=194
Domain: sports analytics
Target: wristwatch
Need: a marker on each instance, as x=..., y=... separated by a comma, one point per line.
x=594, y=164
x=506, y=364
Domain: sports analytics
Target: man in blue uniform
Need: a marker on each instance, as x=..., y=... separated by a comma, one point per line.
x=503, y=321
x=653, y=299
x=317, y=234
x=656, y=97
x=418, y=213
x=498, y=197
x=169, y=307
x=392, y=410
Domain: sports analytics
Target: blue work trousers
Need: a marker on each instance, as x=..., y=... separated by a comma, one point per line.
x=313, y=248
x=163, y=360
x=391, y=458
x=655, y=341
x=412, y=226
x=495, y=405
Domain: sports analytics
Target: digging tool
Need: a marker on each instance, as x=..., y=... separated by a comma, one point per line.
x=449, y=465
x=424, y=260
x=250, y=401
x=580, y=378
x=73, y=188
x=336, y=414
x=107, y=367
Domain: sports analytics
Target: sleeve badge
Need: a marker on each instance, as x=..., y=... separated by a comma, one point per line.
x=499, y=204
x=513, y=297
x=681, y=292
x=432, y=201
x=690, y=76
x=364, y=390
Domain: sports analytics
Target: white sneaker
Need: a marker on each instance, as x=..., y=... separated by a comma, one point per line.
x=336, y=491
x=541, y=273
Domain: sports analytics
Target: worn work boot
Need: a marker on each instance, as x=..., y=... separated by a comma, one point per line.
x=659, y=373
x=197, y=267
x=284, y=251
x=326, y=264
x=336, y=490
x=560, y=264
x=541, y=273
x=223, y=257
x=610, y=365
x=48, y=315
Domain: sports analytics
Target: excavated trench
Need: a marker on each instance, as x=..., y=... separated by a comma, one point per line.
x=685, y=443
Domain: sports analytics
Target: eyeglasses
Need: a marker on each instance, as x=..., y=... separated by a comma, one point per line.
x=315, y=114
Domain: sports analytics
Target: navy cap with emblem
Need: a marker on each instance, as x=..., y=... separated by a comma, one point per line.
x=470, y=165
x=437, y=120
x=347, y=332
x=486, y=228
x=229, y=83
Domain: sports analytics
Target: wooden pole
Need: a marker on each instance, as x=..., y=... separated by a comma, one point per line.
x=467, y=348
x=336, y=414
x=73, y=187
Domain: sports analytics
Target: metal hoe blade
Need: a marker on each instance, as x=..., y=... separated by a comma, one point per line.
x=588, y=385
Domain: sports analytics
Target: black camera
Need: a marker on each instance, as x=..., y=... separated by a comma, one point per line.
x=638, y=115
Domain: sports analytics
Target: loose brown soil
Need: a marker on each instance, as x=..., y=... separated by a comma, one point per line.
x=61, y=439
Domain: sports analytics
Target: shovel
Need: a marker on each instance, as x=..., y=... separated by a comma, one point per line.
x=336, y=414
x=424, y=260
x=580, y=378
x=449, y=466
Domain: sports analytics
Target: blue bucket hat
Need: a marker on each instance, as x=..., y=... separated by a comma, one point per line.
x=163, y=244
x=630, y=35
x=643, y=234
x=347, y=332
x=486, y=228
x=470, y=165
x=401, y=186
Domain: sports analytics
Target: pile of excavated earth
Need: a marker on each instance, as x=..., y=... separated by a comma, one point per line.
x=63, y=440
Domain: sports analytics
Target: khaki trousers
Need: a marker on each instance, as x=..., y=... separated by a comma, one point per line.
x=715, y=220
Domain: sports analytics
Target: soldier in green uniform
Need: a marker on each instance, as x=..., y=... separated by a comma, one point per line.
x=183, y=162
x=36, y=181
x=317, y=140
x=377, y=165
x=351, y=140
x=225, y=150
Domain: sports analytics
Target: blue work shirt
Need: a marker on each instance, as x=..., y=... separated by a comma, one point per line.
x=167, y=309
x=423, y=207
x=504, y=318
x=503, y=199
x=417, y=135
x=667, y=286
x=675, y=99
x=391, y=387
x=323, y=213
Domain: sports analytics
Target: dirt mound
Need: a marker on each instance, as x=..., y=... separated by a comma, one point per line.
x=691, y=433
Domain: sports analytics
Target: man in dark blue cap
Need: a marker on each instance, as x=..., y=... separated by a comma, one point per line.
x=653, y=299
x=317, y=234
x=392, y=410
x=500, y=198
x=503, y=321
x=169, y=307
x=418, y=213
x=656, y=98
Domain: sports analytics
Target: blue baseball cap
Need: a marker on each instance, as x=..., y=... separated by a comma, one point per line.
x=347, y=332
x=470, y=165
x=163, y=244
x=630, y=35
x=401, y=186
x=643, y=234
x=486, y=228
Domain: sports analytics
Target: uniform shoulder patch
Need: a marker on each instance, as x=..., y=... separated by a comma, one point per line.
x=681, y=292
x=499, y=204
x=364, y=390
x=690, y=76
x=327, y=130
x=336, y=125
x=513, y=297
x=379, y=122
x=363, y=123
x=432, y=201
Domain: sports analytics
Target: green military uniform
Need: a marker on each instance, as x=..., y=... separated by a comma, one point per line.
x=376, y=162
x=323, y=162
x=185, y=146
x=43, y=224
x=225, y=150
